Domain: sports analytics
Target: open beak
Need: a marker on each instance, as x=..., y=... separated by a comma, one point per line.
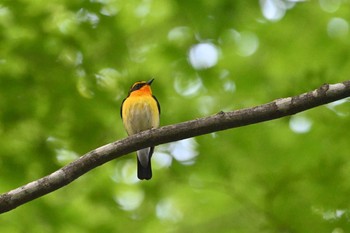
x=149, y=82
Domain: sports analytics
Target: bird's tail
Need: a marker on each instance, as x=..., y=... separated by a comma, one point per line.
x=144, y=169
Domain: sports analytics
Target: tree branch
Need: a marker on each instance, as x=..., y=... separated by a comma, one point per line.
x=223, y=120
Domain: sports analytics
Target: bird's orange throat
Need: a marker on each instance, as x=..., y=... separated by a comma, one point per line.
x=145, y=90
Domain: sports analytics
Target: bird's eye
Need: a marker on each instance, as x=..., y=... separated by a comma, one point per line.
x=136, y=86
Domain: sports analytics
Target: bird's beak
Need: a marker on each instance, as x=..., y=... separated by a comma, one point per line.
x=149, y=82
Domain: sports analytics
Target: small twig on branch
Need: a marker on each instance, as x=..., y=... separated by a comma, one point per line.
x=221, y=121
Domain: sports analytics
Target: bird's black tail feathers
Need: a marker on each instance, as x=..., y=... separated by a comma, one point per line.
x=145, y=173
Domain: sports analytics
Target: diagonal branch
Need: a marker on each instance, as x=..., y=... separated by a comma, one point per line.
x=223, y=120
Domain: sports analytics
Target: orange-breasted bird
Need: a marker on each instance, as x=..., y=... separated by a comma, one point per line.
x=140, y=111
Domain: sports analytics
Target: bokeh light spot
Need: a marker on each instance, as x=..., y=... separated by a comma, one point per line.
x=330, y=6
x=125, y=172
x=167, y=210
x=184, y=151
x=337, y=28
x=203, y=56
x=275, y=10
x=179, y=35
x=300, y=124
x=272, y=10
x=129, y=198
x=229, y=86
x=65, y=156
x=247, y=43
x=187, y=86
x=84, y=15
x=339, y=107
x=107, y=78
x=162, y=159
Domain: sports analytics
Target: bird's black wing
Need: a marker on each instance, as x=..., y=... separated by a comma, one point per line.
x=158, y=105
x=121, y=109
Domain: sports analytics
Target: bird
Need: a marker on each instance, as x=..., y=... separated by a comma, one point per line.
x=140, y=111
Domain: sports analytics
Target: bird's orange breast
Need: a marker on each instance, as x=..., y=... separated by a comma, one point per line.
x=140, y=112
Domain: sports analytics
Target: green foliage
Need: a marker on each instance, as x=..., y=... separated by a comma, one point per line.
x=65, y=67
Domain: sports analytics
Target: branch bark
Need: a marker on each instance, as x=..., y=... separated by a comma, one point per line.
x=221, y=121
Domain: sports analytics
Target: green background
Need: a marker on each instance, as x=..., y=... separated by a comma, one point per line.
x=65, y=67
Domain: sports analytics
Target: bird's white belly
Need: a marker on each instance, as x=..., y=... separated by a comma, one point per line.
x=141, y=117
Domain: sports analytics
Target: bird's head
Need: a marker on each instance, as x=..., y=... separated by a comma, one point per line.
x=141, y=87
